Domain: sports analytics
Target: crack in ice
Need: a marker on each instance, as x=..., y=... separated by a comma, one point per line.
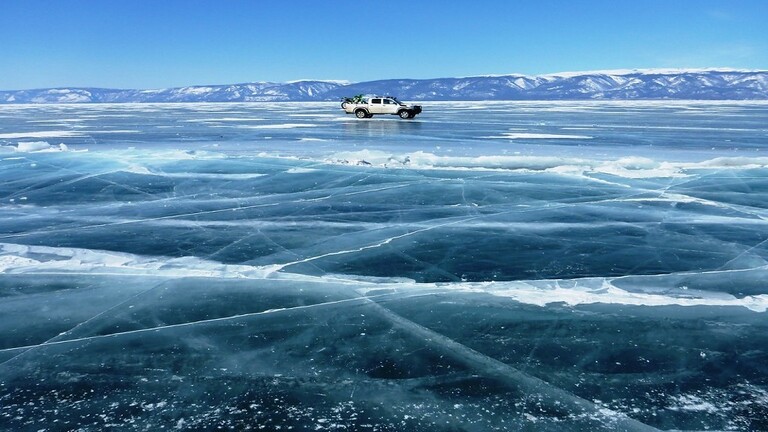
x=53, y=342
x=510, y=376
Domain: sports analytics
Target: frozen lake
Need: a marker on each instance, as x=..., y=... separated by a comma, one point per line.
x=501, y=266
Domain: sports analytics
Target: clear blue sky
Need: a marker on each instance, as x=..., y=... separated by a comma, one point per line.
x=169, y=43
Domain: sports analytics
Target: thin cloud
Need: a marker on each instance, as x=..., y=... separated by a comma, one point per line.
x=721, y=15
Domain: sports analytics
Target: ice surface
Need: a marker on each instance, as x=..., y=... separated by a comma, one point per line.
x=282, y=266
x=45, y=134
x=524, y=135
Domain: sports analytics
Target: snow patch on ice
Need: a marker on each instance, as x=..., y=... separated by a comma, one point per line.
x=37, y=147
x=583, y=292
x=16, y=258
x=300, y=170
x=632, y=167
x=142, y=170
x=597, y=290
x=528, y=135
x=41, y=134
x=224, y=119
x=279, y=126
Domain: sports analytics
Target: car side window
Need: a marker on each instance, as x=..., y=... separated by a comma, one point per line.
x=376, y=101
x=387, y=102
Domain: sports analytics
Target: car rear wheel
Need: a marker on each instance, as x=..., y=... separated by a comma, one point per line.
x=361, y=113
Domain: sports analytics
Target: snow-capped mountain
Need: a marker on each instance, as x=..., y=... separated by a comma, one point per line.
x=251, y=92
x=697, y=84
x=641, y=84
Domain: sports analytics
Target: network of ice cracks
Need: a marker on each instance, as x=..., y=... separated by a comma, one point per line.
x=379, y=288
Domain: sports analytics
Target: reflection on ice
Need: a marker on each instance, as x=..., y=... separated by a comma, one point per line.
x=382, y=274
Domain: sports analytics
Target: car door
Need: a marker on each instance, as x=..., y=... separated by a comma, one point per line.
x=376, y=106
x=390, y=106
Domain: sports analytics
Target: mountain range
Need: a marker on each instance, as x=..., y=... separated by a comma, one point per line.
x=690, y=84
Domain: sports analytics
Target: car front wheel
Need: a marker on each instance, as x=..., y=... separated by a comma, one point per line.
x=404, y=114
